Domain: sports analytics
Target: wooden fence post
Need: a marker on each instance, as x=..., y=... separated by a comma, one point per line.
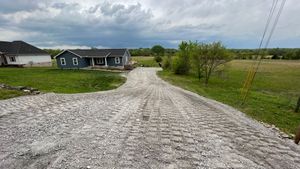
x=298, y=105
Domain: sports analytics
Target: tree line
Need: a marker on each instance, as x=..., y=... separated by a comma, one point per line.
x=53, y=52
x=272, y=53
x=133, y=52
x=149, y=51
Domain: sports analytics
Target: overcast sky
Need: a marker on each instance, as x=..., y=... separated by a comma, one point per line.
x=143, y=23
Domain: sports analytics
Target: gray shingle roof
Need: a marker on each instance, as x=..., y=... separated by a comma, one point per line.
x=19, y=48
x=99, y=52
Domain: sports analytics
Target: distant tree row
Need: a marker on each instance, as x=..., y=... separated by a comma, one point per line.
x=149, y=52
x=272, y=53
x=53, y=52
x=133, y=52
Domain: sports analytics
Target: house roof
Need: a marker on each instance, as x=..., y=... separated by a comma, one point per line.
x=19, y=48
x=97, y=52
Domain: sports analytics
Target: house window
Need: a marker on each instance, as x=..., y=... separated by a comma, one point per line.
x=75, y=61
x=62, y=61
x=99, y=61
x=12, y=59
x=117, y=60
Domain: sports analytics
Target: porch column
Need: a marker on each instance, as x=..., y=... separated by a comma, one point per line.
x=93, y=64
x=105, y=61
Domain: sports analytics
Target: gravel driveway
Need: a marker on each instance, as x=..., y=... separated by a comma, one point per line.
x=146, y=123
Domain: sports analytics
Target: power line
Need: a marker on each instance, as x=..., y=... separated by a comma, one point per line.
x=272, y=30
x=276, y=21
x=274, y=4
x=253, y=69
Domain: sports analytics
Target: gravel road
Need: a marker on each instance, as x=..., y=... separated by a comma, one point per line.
x=146, y=123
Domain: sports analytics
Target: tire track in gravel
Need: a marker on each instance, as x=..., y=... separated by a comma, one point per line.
x=72, y=129
x=146, y=123
x=248, y=146
x=212, y=138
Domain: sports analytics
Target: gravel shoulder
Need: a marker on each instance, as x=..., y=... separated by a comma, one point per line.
x=145, y=123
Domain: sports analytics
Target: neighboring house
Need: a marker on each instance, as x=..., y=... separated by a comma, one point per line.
x=102, y=58
x=20, y=53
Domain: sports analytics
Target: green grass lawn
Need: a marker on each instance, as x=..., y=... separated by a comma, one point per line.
x=273, y=97
x=145, y=61
x=6, y=94
x=61, y=81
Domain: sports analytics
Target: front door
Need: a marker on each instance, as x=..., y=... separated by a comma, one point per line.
x=99, y=61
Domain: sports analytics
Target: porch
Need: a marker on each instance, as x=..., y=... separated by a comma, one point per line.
x=106, y=62
x=100, y=62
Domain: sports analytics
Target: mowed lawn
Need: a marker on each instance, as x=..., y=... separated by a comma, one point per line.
x=274, y=93
x=61, y=81
x=145, y=61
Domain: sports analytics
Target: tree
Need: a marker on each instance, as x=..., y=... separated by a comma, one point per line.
x=181, y=63
x=53, y=52
x=290, y=54
x=212, y=56
x=277, y=53
x=297, y=54
x=158, y=51
x=197, y=51
x=140, y=52
x=167, y=62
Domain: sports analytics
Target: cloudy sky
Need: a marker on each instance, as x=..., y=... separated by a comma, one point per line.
x=143, y=23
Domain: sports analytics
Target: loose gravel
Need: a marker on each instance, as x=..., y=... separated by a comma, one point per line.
x=146, y=123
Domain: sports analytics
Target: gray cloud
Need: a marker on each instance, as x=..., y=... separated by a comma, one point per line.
x=109, y=9
x=59, y=5
x=7, y=6
x=117, y=23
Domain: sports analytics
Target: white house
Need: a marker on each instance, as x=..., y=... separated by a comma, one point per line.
x=20, y=53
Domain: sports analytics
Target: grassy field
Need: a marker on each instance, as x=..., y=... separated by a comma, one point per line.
x=274, y=93
x=61, y=81
x=145, y=61
x=6, y=94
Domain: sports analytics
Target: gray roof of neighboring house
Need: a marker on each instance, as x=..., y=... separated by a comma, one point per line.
x=19, y=48
x=99, y=52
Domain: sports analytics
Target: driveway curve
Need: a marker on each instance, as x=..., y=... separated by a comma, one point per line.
x=146, y=123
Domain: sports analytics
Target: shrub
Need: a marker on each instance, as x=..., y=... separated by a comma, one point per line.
x=167, y=62
x=158, y=58
x=129, y=67
x=181, y=63
x=180, y=67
